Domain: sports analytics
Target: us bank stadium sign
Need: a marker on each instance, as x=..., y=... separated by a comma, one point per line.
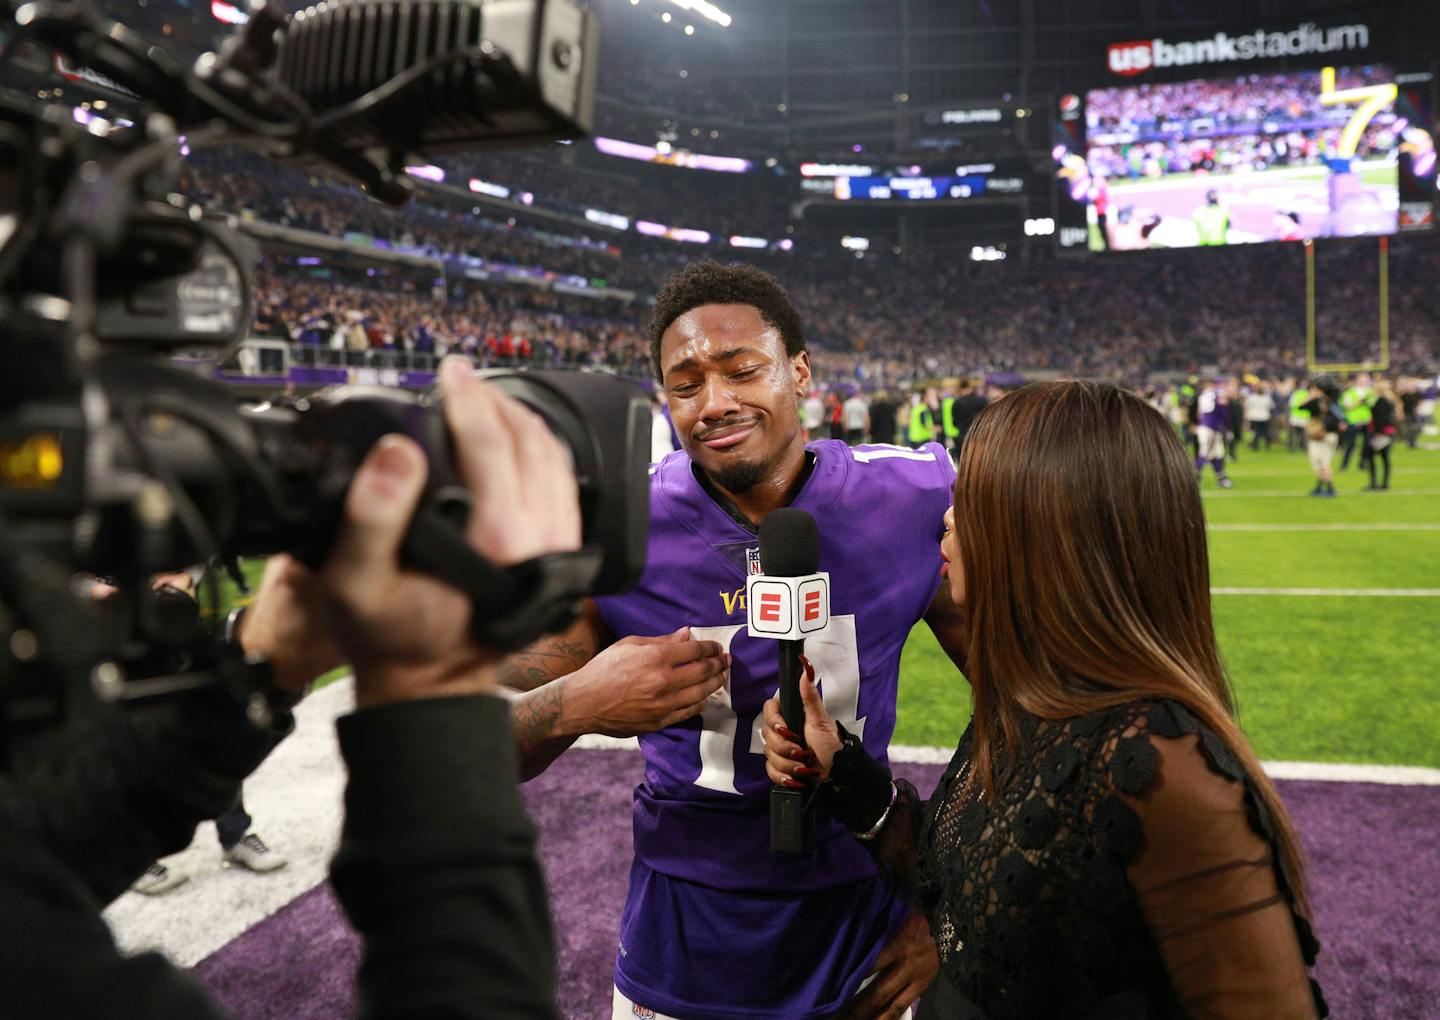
x=1129, y=58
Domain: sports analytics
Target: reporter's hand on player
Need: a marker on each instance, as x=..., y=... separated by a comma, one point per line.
x=903, y=970
x=408, y=634
x=786, y=762
x=643, y=684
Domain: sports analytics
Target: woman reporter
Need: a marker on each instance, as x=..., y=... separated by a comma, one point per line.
x=1104, y=842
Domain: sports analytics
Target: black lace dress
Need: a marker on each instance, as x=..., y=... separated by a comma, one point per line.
x=1125, y=871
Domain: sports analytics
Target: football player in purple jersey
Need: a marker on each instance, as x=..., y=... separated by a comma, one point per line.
x=716, y=925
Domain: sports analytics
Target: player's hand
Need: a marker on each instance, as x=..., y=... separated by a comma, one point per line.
x=903, y=970
x=289, y=624
x=407, y=633
x=786, y=762
x=643, y=684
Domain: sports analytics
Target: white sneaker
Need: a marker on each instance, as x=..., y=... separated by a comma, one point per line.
x=159, y=880
x=252, y=853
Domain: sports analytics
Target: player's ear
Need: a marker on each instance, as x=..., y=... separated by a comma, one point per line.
x=800, y=365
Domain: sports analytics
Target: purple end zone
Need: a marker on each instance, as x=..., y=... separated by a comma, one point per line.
x=1375, y=874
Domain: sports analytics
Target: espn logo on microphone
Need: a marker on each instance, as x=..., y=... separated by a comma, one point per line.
x=787, y=608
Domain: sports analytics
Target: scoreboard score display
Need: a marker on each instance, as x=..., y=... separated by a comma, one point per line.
x=914, y=188
x=860, y=183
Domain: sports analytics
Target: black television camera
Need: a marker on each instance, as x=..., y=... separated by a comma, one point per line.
x=118, y=461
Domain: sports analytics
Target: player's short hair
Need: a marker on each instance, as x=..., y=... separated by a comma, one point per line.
x=709, y=283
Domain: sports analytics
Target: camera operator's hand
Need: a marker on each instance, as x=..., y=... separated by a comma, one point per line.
x=179, y=580
x=408, y=634
x=289, y=624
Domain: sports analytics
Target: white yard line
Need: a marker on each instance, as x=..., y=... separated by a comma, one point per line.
x=1329, y=526
x=1412, y=593
x=1301, y=493
x=1298, y=476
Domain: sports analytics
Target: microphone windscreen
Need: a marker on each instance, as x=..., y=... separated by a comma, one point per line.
x=789, y=543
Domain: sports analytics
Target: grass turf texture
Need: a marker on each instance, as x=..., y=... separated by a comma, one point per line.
x=1317, y=678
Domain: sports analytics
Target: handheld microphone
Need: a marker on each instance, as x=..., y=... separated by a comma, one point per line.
x=787, y=600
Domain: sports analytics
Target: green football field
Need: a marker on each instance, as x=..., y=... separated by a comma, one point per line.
x=1329, y=678
x=1318, y=677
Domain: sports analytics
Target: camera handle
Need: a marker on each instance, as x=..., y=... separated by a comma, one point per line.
x=512, y=606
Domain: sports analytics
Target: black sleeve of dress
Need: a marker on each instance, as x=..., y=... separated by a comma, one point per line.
x=1211, y=891
x=437, y=866
x=111, y=797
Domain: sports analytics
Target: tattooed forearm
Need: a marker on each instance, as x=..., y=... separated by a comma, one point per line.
x=543, y=662
x=537, y=716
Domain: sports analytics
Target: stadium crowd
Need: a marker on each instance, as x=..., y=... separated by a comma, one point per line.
x=879, y=322
x=1223, y=103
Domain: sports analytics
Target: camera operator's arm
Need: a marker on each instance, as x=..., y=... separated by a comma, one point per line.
x=437, y=867
x=571, y=684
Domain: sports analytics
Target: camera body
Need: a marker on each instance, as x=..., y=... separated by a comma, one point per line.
x=119, y=462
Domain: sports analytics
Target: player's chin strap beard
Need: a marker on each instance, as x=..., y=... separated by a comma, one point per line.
x=717, y=487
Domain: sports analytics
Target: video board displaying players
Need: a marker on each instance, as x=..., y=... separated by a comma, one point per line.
x=1243, y=159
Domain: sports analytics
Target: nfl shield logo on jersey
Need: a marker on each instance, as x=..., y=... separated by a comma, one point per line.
x=752, y=561
x=643, y=1012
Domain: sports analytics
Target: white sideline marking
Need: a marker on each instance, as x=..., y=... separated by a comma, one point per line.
x=1414, y=593
x=1300, y=493
x=909, y=754
x=1377, y=526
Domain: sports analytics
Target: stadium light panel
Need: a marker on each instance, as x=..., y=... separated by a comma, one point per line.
x=705, y=9
x=228, y=13
x=486, y=188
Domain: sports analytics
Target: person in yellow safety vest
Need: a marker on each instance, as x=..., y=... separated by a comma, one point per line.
x=947, y=423
x=1299, y=417
x=1356, y=401
x=1212, y=222
x=922, y=422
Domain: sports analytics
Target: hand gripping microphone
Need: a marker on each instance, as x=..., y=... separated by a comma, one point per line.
x=789, y=599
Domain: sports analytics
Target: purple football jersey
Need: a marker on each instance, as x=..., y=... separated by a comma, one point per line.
x=701, y=816
x=1212, y=411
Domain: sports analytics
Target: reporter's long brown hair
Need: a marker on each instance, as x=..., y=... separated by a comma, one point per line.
x=1087, y=580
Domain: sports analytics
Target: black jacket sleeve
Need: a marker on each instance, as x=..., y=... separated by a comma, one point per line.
x=114, y=795
x=437, y=865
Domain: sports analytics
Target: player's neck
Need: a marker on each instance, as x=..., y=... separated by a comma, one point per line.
x=772, y=492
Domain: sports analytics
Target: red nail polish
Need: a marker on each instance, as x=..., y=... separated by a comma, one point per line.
x=805, y=772
x=784, y=731
x=790, y=784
